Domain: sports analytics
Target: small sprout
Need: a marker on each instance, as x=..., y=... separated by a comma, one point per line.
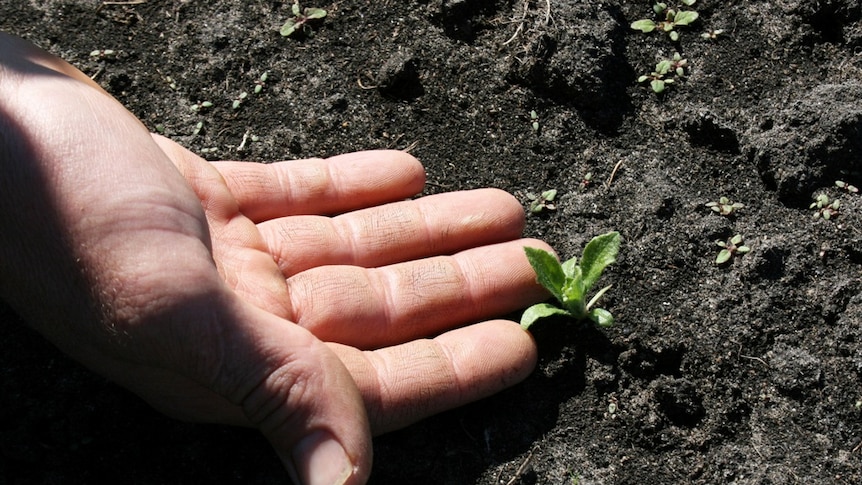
x=198, y=128
x=201, y=105
x=542, y=202
x=534, y=120
x=712, y=34
x=725, y=206
x=673, y=17
x=825, y=208
x=239, y=99
x=732, y=247
x=102, y=53
x=847, y=187
x=571, y=281
x=160, y=128
x=171, y=83
x=664, y=73
x=260, y=83
x=586, y=181
x=300, y=19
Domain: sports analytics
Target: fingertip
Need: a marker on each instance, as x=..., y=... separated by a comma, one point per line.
x=391, y=168
x=496, y=354
x=509, y=208
x=523, y=348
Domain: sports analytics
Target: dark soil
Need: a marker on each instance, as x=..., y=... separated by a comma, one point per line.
x=750, y=372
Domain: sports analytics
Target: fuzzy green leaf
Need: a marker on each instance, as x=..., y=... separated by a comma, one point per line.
x=549, y=272
x=644, y=25
x=539, y=311
x=657, y=85
x=723, y=256
x=601, y=317
x=598, y=254
x=685, y=17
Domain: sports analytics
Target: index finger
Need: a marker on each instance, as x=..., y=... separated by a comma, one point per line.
x=322, y=186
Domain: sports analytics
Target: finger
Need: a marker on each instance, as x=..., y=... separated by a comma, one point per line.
x=372, y=308
x=322, y=186
x=406, y=383
x=400, y=231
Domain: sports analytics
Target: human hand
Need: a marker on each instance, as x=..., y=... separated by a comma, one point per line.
x=209, y=289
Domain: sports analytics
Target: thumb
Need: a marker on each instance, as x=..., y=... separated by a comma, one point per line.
x=298, y=393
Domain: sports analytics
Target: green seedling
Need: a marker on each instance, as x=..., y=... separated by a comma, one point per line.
x=673, y=17
x=847, y=187
x=571, y=281
x=725, y=206
x=237, y=102
x=300, y=19
x=542, y=202
x=586, y=181
x=102, y=53
x=730, y=248
x=712, y=34
x=825, y=208
x=202, y=105
x=665, y=72
x=260, y=83
x=534, y=120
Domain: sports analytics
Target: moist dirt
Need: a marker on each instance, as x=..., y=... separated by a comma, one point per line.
x=748, y=372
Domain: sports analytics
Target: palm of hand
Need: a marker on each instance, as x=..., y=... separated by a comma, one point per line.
x=354, y=280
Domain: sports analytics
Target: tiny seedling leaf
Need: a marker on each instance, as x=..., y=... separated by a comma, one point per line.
x=288, y=28
x=570, y=267
x=685, y=17
x=539, y=311
x=601, y=317
x=657, y=85
x=644, y=25
x=597, y=296
x=315, y=13
x=723, y=256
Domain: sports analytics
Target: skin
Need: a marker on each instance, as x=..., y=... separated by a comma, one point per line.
x=307, y=299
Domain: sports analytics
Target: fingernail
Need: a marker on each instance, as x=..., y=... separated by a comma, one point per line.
x=320, y=460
